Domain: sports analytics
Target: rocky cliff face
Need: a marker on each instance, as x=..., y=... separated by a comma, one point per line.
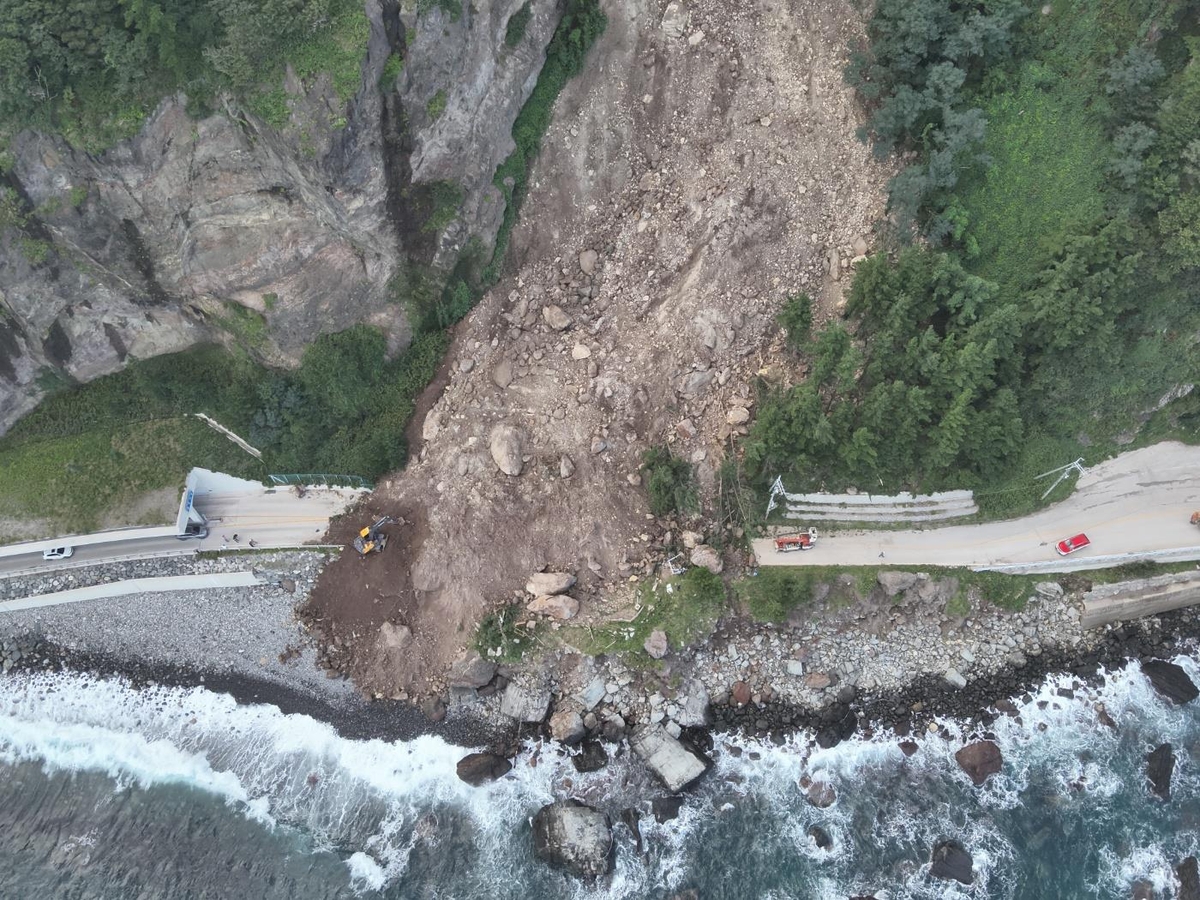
x=225, y=227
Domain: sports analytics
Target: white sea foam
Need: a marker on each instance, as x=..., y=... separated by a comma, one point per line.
x=379, y=802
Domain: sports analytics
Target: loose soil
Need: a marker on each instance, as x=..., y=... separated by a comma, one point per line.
x=703, y=168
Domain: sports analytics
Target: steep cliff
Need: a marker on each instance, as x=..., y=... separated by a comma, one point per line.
x=230, y=228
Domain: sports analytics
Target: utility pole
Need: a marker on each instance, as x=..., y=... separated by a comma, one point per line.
x=776, y=489
x=1063, y=471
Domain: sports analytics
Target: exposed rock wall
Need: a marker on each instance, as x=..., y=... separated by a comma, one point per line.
x=146, y=248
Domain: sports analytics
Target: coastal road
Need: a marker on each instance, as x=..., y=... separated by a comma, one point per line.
x=1134, y=506
x=272, y=519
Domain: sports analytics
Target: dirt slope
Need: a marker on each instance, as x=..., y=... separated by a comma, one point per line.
x=702, y=168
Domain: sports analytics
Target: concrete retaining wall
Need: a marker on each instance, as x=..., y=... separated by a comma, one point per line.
x=880, y=508
x=1133, y=599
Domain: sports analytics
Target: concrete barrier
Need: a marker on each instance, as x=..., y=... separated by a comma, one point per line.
x=135, y=586
x=1125, y=600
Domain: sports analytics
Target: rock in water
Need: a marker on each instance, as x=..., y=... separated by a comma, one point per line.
x=908, y=748
x=820, y=794
x=471, y=671
x=633, y=822
x=592, y=757
x=1170, y=681
x=676, y=764
x=480, y=768
x=507, y=444
x=820, y=837
x=951, y=860
x=843, y=724
x=979, y=760
x=1189, y=879
x=575, y=837
x=1159, y=767
x=549, y=583
x=666, y=808
x=1143, y=890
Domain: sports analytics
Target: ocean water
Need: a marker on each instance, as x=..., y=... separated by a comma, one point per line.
x=111, y=792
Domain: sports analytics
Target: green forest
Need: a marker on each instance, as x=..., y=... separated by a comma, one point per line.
x=1037, y=291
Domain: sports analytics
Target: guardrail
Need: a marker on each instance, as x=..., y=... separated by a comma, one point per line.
x=323, y=480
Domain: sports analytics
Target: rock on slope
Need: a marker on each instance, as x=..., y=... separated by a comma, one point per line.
x=305, y=224
x=702, y=168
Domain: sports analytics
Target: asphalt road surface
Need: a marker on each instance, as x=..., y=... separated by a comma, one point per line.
x=1138, y=503
x=271, y=520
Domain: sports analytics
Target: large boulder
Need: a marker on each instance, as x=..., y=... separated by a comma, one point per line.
x=980, y=760
x=707, y=557
x=894, y=583
x=542, y=584
x=820, y=837
x=507, y=444
x=471, y=671
x=843, y=722
x=525, y=702
x=676, y=764
x=656, y=644
x=666, y=809
x=1189, y=879
x=556, y=318
x=592, y=757
x=566, y=725
x=1160, y=765
x=694, y=704
x=574, y=837
x=951, y=861
x=480, y=768
x=556, y=606
x=820, y=794
x=1170, y=681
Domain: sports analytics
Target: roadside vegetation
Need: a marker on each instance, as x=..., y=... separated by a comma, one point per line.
x=1036, y=296
x=775, y=593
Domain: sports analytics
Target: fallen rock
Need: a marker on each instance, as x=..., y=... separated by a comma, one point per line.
x=656, y=645
x=691, y=539
x=894, y=583
x=574, y=837
x=674, y=19
x=507, y=443
x=955, y=679
x=1170, y=681
x=908, y=748
x=740, y=693
x=737, y=415
x=580, y=351
x=820, y=794
x=1160, y=765
x=591, y=695
x=980, y=760
x=592, y=757
x=843, y=722
x=546, y=583
x=434, y=709
x=1049, y=590
x=557, y=606
x=556, y=318
x=817, y=681
x=693, y=700
x=820, y=837
x=566, y=726
x=795, y=668
x=587, y=261
x=1189, y=879
x=676, y=764
x=566, y=468
x=951, y=861
x=525, y=702
x=479, y=768
x=707, y=557
x=613, y=729
x=502, y=375
x=470, y=671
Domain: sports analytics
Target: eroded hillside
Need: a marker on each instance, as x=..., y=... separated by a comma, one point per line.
x=704, y=167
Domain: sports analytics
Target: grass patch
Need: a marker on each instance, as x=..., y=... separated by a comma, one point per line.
x=686, y=608
x=245, y=324
x=391, y=69
x=271, y=106
x=777, y=591
x=436, y=105
x=447, y=198
x=1048, y=153
x=498, y=637
x=74, y=481
x=452, y=8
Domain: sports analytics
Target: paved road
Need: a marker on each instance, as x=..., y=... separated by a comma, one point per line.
x=270, y=519
x=1138, y=503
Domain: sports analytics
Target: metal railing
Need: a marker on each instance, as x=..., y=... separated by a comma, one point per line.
x=324, y=480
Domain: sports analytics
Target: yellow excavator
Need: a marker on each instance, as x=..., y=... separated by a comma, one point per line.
x=372, y=538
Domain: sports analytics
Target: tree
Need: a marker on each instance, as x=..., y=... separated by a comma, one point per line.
x=341, y=372
x=796, y=319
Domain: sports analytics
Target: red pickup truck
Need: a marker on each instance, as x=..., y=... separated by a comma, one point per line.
x=801, y=540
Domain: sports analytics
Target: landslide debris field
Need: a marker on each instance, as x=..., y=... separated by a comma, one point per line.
x=703, y=168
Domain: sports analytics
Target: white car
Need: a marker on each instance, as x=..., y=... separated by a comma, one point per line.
x=58, y=553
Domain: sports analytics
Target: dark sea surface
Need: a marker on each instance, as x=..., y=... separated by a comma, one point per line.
x=107, y=791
